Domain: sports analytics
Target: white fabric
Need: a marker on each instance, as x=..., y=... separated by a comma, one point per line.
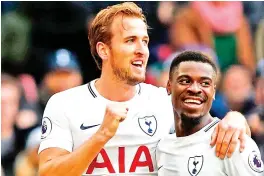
x=177, y=155
x=68, y=110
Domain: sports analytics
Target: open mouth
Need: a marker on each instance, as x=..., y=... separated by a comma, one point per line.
x=193, y=103
x=138, y=64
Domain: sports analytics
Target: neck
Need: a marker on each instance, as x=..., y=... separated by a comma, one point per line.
x=186, y=126
x=113, y=89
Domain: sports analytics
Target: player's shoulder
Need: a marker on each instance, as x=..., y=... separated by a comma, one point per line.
x=151, y=90
x=146, y=86
x=201, y=136
x=250, y=145
x=250, y=149
x=72, y=95
x=251, y=156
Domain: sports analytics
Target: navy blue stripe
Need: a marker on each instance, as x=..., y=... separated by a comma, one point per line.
x=91, y=90
x=210, y=126
x=139, y=91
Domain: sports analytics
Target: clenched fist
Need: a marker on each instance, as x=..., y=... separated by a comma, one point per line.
x=114, y=114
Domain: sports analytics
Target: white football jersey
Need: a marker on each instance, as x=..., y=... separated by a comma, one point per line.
x=73, y=116
x=192, y=155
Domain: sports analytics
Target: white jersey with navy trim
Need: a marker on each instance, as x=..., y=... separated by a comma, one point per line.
x=73, y=116
x=192, y=155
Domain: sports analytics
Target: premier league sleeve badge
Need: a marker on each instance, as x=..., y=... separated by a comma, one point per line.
x=255, y=162
x=46, y=127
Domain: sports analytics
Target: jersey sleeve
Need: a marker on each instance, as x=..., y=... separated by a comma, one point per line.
x=55, y=126
x=246, y=163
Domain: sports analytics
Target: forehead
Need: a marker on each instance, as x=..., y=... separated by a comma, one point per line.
x=195, y=69
x=128, y=26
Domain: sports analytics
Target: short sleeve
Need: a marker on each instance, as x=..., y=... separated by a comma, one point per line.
x=55, y=125
x=246, y=163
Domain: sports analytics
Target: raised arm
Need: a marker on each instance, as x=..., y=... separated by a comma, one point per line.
x=56, y=157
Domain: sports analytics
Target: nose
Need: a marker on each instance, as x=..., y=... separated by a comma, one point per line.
x=195, y=88
x=141, y=48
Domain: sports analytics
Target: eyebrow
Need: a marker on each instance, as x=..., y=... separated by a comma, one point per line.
x=133, y=36
x=202, y=78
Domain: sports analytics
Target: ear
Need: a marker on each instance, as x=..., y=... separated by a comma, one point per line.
x=214, y=92
x=168, y=87
x=102, y=50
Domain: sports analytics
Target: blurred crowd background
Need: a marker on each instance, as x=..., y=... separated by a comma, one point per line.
x=45, y=50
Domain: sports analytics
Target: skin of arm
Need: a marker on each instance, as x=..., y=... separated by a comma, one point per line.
x=57, y=161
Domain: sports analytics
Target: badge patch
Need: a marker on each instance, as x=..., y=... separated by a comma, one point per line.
x=255, y=163
x=148, y=124
x=195, y=165
x=46, y=127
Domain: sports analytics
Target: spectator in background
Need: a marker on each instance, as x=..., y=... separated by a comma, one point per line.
x=160, y=19
x=19, y=117
x=26, y=163
x=236, y=91
x=259, y=42
x=15, y=34
x=10, y=97
x=259, y=83
x=29, y=114
x=219, y=25
x=64, y=73
x=2, y=171
x=254, y=11
x=256, y=116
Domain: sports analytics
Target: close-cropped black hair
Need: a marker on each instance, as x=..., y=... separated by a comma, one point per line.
x=187, y=56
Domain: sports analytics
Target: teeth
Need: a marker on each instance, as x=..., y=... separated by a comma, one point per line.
x=137, y=62
x=192, y=101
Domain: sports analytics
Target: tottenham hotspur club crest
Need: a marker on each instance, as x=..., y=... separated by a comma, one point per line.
x=195, y=165
x=148, y=124
x=46, y=127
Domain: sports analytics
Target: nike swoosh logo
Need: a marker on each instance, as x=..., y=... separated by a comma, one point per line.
x=160, y=167
x=82, y=127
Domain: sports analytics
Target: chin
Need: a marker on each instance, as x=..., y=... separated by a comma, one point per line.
x=134, y=80
x=191, y=115
x=191, y=119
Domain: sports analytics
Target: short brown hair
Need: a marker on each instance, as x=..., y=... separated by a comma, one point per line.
x=99, y=30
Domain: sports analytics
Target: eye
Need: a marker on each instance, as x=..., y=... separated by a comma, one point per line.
x=184, y=81
x=205, y=83
x=130, y=40
x=146, y=41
